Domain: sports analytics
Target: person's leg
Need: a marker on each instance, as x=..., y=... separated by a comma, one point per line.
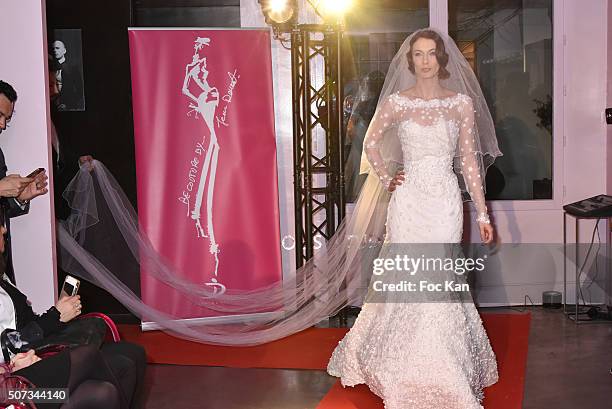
x=94, y=395
x=51, y=372
x=83, y=360
x=128, y=362
x=88, y=363
x=70, y=369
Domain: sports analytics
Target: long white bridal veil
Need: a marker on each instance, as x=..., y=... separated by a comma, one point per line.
x=461, y=80
x=102, y=242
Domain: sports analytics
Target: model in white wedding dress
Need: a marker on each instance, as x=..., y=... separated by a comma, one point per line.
x=417, y=355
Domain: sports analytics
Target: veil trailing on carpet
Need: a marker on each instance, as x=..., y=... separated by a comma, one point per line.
x=102, y=242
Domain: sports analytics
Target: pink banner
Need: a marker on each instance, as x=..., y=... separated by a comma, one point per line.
x=206, y=159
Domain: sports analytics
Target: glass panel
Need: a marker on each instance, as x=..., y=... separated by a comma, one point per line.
x=509, y=44
x=374, y=32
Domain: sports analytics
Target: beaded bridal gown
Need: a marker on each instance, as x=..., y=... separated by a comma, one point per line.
x=423, y=355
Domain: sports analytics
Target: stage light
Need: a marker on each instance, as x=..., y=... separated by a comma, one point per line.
x=333, y=8
x=278, y=12
x=278, y=6
x=281, y=13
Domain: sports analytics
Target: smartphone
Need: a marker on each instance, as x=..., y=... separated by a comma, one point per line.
x=36, y=173
x=70, y=287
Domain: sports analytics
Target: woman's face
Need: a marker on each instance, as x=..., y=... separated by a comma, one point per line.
x=2, y=241
x=424, y=58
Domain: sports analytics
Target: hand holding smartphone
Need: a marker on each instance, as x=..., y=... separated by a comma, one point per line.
x=41, y=182
x=69, y=303
x=36, y=173
x=70, y=287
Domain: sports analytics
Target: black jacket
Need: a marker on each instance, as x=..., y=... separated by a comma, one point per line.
x=9, y=206
x=49, y=321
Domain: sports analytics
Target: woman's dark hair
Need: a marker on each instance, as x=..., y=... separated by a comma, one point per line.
x=441, y=54
x=8, y=91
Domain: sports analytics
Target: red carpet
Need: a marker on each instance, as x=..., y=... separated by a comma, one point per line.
x=509, y=337
x=312, y=348
x=309, y=349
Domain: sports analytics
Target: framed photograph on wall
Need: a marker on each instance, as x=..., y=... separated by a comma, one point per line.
x=66, y=70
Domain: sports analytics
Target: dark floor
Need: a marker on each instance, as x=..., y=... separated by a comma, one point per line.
x=199, y=387
x=568, y=367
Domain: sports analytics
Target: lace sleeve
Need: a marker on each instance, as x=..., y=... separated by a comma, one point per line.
x=383, y=119
x=470, y=162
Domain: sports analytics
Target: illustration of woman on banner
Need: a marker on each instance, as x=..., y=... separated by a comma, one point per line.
x=204, y=102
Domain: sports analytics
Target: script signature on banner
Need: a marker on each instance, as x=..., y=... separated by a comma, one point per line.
x=227, y=98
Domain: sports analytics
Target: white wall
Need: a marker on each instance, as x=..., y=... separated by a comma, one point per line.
x=26, y=144
x=579, y=167
x=609, y=143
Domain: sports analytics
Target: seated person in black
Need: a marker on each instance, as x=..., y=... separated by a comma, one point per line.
x=107, y=378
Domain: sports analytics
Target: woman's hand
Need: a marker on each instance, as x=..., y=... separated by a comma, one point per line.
x=396, y=181
x=24, y=359
x=69, y=307
x=486, y=232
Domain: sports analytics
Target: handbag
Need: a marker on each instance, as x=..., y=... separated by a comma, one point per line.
x=84, y=331
x=13, y=341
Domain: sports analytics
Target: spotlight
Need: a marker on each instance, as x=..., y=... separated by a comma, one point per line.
x=279, y=12
x=332, y=8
